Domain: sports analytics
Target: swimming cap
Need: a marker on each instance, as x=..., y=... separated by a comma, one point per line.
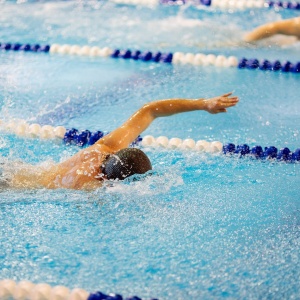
x=126, y=162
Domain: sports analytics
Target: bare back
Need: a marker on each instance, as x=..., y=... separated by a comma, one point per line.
x=81, y=171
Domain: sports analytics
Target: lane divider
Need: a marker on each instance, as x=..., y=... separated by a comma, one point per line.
x=196, y=59
x=223, y=4
x=26, y=290
x=86, y=138
x=242, y=150
x=238, y=4
x=21, y=128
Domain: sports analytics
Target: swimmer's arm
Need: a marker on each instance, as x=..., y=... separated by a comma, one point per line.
x=286, y=27
x=28, y=176
x=141, y=119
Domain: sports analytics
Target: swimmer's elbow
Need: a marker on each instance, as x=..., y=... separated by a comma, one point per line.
x=149, y=110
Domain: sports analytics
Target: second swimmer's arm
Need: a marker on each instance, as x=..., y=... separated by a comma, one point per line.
x=287, y=27
x=141, y=119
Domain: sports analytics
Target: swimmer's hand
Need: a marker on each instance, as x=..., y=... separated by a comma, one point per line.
x=220, y=104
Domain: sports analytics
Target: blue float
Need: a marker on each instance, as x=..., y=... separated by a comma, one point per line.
x=116, y=53
x=70, y=135
x=35, y=48
x=15, y=47
x=270, y=152
x=95, y=136
x=5, y=46
x=265, y=65
x=156, y=57
x=97, y=296
x=286, y=67
x=125, y=54
x=145, y=56
x=242, y=63
x=284, y=154
x=166, y=57
x=252, y=63
x=44, y=48
x=135, y=54
x=296, y=155
x=82, y=138
x=242, y=149
x=205, y=2
x=257, y=151
x=229, y=148
x=25, y=47
x=296, y=68
x=276, y=65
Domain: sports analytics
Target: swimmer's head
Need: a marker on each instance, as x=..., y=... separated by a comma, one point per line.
x=126, y=162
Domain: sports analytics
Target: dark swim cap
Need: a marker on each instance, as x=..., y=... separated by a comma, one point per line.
x=126, y=162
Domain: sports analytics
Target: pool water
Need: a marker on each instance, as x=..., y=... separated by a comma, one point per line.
x=204, y=226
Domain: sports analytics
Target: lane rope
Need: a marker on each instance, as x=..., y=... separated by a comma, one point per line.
x=237, y=4
x=26, y=290
x=222, y=4
x=176, y=58
x=84, y=138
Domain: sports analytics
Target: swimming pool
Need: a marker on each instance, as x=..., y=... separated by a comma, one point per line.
x=205, y=226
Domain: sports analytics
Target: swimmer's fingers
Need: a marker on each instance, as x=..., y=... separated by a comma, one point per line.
x=227, y=95
x=219, y=104
x=230, y=101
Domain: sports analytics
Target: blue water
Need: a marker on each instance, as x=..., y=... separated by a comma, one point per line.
x=204, y=226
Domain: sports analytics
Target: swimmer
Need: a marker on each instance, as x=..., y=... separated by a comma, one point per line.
x=110, y=157
x=290, y=27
